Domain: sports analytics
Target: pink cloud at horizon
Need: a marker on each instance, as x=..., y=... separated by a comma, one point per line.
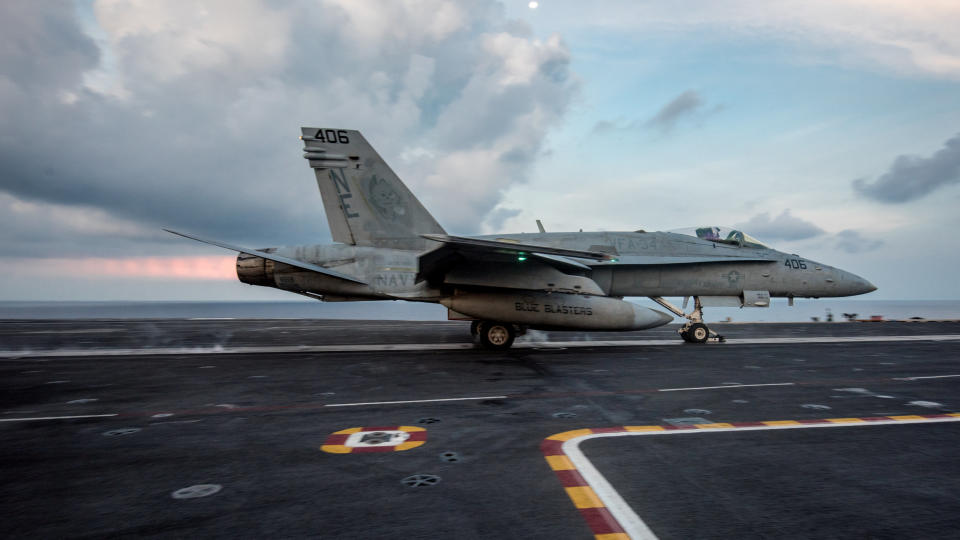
x=191, y=267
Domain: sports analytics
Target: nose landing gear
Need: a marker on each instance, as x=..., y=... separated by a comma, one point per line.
x=694, y=331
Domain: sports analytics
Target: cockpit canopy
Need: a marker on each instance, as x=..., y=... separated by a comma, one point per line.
x=723, y=235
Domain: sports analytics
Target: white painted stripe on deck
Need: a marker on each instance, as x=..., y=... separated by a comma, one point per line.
x=724, y=386
x=166, y=351
x=412, y=401
x=624, y=514
x=55, y=417
x=925, y=377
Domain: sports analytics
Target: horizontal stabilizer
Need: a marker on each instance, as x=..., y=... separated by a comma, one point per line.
x=511, y=247
x=276, y=258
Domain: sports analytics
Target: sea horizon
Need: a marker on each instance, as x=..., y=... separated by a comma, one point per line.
x=804, y=310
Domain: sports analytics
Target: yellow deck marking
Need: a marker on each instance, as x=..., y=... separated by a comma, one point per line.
x=612, y=536
x=643, y=428
x=584, y=497
x=717, y=425
x=560, y=463
x=407, y=445
x=336, y=448
x=782, y=423
x=906, y=417
x=567, y=435
x=845, y=420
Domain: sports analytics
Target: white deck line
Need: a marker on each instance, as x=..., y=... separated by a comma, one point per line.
x=166, y=351
x=413, y=401
x=724, y=386
x=925, y=377
x=624, y=514
x=55, y=417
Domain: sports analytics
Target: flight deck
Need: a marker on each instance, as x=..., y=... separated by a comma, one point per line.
x=389, y=429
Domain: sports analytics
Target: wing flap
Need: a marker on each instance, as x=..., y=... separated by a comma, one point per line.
x=273, y=257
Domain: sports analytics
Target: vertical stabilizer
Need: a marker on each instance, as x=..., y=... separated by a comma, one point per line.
x=365, y=202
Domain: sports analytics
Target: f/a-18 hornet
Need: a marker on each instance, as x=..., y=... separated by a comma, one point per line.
x=390, y=248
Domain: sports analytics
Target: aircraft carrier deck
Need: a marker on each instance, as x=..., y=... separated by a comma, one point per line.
x=347, y=429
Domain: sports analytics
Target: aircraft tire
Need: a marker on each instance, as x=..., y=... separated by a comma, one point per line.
x=474, y=328
x=497, y=336
x=698, y=333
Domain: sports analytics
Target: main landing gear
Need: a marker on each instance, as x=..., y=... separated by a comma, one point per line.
x=494, y=335
x=694, y=331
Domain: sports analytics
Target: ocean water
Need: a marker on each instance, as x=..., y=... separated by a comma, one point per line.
x=802, y=311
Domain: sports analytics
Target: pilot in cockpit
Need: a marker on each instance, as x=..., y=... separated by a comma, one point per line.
x=709, y=233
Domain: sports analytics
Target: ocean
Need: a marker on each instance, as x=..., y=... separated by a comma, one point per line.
x=802, y=311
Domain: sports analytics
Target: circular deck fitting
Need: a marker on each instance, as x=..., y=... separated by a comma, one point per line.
x=420, y=480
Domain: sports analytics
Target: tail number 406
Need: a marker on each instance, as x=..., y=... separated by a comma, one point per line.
x=796, y=264
x=332, y=136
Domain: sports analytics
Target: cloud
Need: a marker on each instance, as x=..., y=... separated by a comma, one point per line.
x=684, y=105
x=786, y=226
x=499, y=216
x=198, y=130
x=220, y=268
x=900, y=36
x=688, y=105
x=852, y=241
x=912, y=177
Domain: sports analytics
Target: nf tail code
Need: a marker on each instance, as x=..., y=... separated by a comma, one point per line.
x=365, y=202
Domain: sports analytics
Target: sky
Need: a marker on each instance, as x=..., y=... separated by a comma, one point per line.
x=826, y=128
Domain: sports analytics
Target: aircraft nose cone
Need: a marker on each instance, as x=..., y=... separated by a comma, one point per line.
x=857, y=285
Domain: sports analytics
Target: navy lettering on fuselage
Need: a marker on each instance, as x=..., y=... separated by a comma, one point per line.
x=343, y=191
x=393, y=280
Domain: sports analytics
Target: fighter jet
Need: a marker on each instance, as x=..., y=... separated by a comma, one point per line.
x=388, y=247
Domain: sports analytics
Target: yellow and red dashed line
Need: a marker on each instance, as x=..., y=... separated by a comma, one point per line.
x=337, y=443
x=603, y=524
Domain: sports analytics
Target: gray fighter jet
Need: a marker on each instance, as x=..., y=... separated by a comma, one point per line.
x=390, y=248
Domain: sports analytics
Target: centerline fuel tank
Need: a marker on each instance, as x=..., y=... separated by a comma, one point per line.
x=556, y=310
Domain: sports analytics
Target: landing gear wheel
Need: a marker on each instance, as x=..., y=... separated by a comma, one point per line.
x=697, y=333
x=474, y=328
x=497, y=336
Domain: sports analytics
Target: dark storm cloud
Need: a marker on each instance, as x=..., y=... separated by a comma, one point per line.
x=41, y=44
x=852, y=241
x=196, y=128
x=786, y=226
x=911, y=177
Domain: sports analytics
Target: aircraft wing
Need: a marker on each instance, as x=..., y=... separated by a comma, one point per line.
x=457, y=250
x=475, y=244
x=277, y=258
x=652, y=260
